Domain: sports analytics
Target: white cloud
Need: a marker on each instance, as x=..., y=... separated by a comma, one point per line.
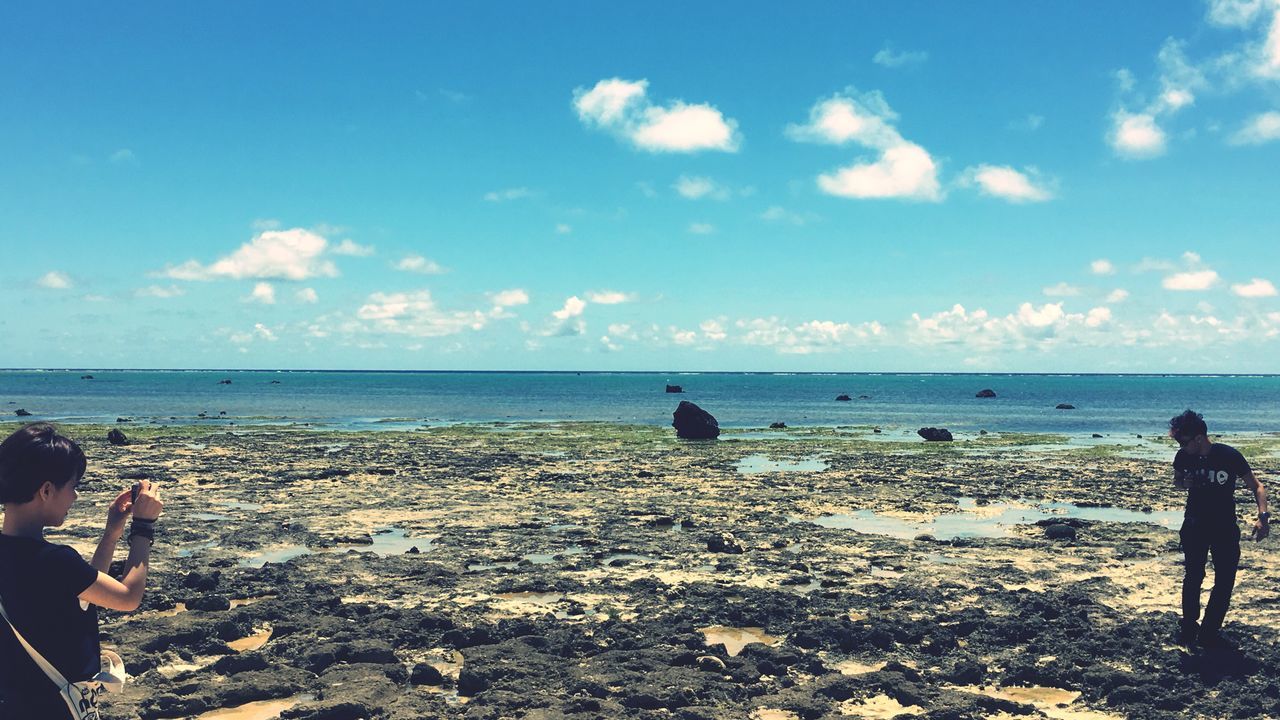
x=622, y=330
x=1137, y=136
x=886, y=57
x=264, y=332
x=1030, y=327
x=416, y=314
x=808, y=337
x=1118, y=295
x=1004, y=182
x=1259, y=129
x=694, y=188
x=608, y=344
x=418, y=264
x=509, y=298
x=1192, y=280
x=713, y=330
x=1102, y=266
x=263, y=293
x=307, y=295
x=1097, y=316
x=623, y=108
x=1256, y=288
x=55, y=280
x=1062, y=289
x=701, y=228
x=609, y=297
x=683, y=337
x=352, y=248
x=508, y=194
x=159, y=291
x=903, y=169
x=777, y=213
x=1233, y=13
x=573, y=307
x=271, y=255
x=260, y=224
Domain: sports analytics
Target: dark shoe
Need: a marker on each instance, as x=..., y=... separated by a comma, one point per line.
x=1187, y=634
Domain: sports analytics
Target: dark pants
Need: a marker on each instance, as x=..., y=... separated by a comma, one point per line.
x=1198, y=542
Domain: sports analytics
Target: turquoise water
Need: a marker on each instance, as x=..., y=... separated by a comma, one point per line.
x=1024, y=403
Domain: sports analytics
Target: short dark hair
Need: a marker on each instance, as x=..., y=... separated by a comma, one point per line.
x=1189, y=424
x=34, y=455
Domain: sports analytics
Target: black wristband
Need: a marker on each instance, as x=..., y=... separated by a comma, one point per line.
x=143, y=528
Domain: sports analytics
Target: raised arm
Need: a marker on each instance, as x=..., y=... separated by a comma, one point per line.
x=116, y=516
x=126, y=594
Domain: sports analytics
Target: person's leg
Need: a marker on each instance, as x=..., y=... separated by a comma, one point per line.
x=1226, y=560
x=1195, y=550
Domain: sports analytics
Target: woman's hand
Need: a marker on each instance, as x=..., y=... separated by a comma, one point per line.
x=119, y=511
x=148, y=506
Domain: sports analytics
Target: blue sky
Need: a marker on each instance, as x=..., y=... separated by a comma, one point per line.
x=575, y=185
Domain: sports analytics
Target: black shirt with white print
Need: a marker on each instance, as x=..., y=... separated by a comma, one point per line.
x=1211, y=484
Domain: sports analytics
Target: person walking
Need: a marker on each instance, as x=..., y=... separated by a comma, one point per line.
x=1209, y=472
x=48, y=593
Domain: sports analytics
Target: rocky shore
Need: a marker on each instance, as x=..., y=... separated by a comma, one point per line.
x=600, y=571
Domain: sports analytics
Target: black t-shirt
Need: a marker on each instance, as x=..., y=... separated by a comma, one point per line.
x=1211, y=483
x=39, y=584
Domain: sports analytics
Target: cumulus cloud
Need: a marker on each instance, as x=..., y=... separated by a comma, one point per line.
x=294, y=254
x=695, y=188
x=609, y=297
x=418, y=264
x=1136, y=136
x=808, y=337
x=508, y=194
x=713, y=330
x=352, y=249
x=1006, y=183
x=510, y=298
x=1040, y=327
x=1192, y=280
x=1062, y=289
x=159, y=291
x=1118, y=295
x=55, y=280
x=1259, y=129
x=887, y=57
x=1233, y=13
x=1102, y=266
x=1256, y=288
x=264, y=293
x=573, y=307
x=623, y=331
x=623, y=108
x=307, y=295
x=264, y=332
x=415, y=314
x=903, y=169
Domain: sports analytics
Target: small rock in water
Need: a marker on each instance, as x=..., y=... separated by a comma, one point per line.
x=932, y=434
x=777, y=426
x=1065, y=406
x=843, y=398
x=674, y=389
x=724, y=543
x=274, y=382
x=22, y=412
x=864, y=397
x=115, y=437
x=876, y=431
x=86, y=377
x=224, y=382
x=1060, y=531
x=693, y=423
x=1096, y=435
x=982, y=432
x=986, y=393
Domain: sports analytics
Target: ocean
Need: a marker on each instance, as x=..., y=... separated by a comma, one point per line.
x=1139, y=404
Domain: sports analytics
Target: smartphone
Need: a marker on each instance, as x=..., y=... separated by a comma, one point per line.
x=137, y=488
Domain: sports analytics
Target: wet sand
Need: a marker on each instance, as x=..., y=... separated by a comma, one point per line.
x=599, y=571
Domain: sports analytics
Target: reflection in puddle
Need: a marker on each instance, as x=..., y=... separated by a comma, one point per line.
x=993, y=520
x=734, y=639
x=755, y=464
x=394, y=541
x=261, y=710
x=386, y=542
x=545, y=599
x=278, y=555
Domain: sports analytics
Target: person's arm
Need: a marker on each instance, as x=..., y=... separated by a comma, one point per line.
x=1262, y=527
x=116, y=515
x=1179, y=478
x=126, y=594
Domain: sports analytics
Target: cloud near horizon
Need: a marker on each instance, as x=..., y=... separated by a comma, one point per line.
x=294, y=254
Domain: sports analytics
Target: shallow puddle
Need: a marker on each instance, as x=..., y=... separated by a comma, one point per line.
x=261, y=710
x=545, y=599
x=252, y=642
x=756, y=464
x=1053, y=702
x=278, y=555
x=993, y=520
x=394, y=541
x=772, y=714
x=735, y=639
x=878, y=707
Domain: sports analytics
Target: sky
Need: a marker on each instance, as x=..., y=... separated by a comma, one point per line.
x=892, y=186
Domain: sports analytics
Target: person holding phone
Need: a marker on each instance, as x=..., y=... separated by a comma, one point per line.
x=1209, y=472
x=49, y=593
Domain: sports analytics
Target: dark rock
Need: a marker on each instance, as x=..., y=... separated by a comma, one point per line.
x=274, y=382
x=86, y=377
x=986, y=393
x=693, y=423
x=876, y=431
x=210, y=603
x=777, y=426
x=124, y=420
x=864, y=397
x=1060, y=531
x=843, y=398
x=982, y=432
x=674, y=389
x=204, y=582
x=115, y=437
x=426, y=674
x=1096, y=435
x=933, y=434
x=710, y=663
x=1065, y=406
x=22, y=412
x=724, y=543
x=224, y=382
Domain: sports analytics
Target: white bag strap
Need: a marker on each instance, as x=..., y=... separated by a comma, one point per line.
x=49, y=670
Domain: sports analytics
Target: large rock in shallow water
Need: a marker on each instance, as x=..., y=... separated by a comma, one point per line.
x=674, y=389
x=986, y=393
x=693, y=423
x=935, y=434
